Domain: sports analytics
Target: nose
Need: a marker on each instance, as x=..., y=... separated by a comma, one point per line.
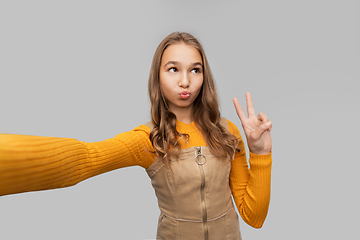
x=184, y=80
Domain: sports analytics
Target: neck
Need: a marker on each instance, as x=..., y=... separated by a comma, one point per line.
x=183, y=114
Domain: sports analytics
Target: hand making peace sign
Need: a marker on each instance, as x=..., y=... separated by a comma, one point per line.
x=257, y=129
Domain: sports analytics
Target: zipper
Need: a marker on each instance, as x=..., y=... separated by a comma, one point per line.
x=200, y=164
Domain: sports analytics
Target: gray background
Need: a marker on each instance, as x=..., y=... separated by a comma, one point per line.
x=79, y=69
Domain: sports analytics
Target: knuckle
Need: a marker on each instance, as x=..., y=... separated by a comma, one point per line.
x=268, y=124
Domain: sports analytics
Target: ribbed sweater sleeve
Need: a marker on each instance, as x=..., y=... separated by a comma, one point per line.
x=250, y=187
x=32, y=163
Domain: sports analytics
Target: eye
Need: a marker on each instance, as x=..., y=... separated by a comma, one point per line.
x=196, y=70
x=172, y=69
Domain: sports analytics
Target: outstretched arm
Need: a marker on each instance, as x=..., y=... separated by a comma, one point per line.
x=32, y=163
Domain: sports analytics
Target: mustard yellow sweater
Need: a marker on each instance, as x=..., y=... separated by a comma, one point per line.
x=32, y=163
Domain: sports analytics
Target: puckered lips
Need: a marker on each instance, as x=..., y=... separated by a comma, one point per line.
x=184, y=95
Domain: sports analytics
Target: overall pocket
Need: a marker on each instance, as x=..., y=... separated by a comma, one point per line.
x=166, y=228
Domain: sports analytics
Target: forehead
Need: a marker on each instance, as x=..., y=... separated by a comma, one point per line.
x=182, y=53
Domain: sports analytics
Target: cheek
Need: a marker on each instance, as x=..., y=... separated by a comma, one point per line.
x=199, y=85
x=163, y=84
x=198, y=90
x=167, y=81
x=165, y=88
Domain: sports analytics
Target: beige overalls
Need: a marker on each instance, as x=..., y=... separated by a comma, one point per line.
x=195, y=199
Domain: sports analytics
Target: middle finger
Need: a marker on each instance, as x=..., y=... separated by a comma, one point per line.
x=250, y=107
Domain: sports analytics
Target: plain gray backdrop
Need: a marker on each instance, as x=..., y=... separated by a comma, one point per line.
x=79, y=69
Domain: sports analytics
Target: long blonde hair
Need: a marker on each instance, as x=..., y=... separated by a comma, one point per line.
x=164, y=136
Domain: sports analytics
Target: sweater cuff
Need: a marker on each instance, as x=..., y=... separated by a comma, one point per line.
x=257, y=160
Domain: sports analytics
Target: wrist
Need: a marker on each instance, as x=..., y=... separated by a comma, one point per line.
x=264, y=152
x=260, y=151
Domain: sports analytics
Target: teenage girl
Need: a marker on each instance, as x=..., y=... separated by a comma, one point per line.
x=195, y=158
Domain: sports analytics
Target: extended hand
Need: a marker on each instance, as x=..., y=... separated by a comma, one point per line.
x=257, y=129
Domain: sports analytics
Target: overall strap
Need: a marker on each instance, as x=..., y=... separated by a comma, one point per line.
x=150, y=125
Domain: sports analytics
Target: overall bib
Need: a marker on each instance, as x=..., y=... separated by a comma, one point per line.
x=194, y=197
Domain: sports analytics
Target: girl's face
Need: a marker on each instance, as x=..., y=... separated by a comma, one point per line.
x=181, y=76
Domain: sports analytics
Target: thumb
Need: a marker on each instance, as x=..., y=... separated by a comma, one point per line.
x=261, y=129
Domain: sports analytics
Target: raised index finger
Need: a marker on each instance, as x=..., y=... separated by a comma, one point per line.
x=250, y=106
x=239, y=110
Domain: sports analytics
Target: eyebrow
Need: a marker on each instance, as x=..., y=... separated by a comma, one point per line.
x=197, y=64
x=176, y=63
